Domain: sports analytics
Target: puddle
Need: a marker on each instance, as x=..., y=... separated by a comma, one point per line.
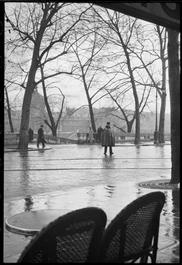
x=90, y=179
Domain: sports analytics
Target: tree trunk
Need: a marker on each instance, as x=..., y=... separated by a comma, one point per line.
x=174, y=88
x=162, y=91
x=10, y=120
x=52, y=126
x=92, y=116
x=92, y=120
x=9, y=112
x=163, y=99
x=137, y=126
x=137, y=112
x=54, y=131
x=129, y=125
x=25, y=115
x=162, y=118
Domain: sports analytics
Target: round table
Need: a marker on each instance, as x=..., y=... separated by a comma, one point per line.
x=29, y=223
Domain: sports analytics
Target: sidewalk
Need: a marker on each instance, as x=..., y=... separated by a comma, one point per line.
x=76, y=176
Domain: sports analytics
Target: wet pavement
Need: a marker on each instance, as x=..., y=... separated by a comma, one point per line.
x=74, y=176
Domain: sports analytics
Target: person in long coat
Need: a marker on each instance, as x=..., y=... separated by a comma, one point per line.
x=107, y=139
x=40, y=137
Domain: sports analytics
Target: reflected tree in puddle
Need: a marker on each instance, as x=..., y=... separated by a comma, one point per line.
x=23, y=153
x=25, y=181
x=170, y=227
x=137, y=149
x=110, y=190
x=175, y=210
x=28, y=203
x=24, y=174
x=175, y=202
x=167, y=212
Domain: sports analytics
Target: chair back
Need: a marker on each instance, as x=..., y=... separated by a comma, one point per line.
x=133, y=233
x=73, y=237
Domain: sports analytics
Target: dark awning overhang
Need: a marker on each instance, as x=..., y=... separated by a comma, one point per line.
x=164, y=13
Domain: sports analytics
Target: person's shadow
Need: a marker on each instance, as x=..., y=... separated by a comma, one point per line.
x=107, y=162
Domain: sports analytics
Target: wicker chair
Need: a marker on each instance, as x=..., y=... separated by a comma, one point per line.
x=73, y=237
x=133, y=234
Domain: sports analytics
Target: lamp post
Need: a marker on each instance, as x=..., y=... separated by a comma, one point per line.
x=156, y=133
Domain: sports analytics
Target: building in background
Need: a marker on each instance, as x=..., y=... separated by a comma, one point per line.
x=37, y=115
x=79, y=121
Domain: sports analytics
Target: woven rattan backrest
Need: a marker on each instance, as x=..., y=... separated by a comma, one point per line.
x=133, y=230
x=74, y=237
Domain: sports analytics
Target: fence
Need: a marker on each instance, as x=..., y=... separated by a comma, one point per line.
x=11, y=139
x=144, y=137
x=82, y=138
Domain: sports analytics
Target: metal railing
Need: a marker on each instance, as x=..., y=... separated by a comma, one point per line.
x=82, y=138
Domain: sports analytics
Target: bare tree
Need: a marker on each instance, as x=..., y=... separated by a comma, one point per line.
x=158, y=53
x=162, y=35
x=34, y=30
x=122, y=32
x=52, y=124
x=47, y=74
x=8, y=108
x=89, y=70
x=11, y=83
x=127, y=115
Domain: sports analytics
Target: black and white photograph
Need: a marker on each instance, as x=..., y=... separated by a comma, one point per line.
x=91, y=132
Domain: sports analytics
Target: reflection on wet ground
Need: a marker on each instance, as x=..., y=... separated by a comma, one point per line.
x=73, y=176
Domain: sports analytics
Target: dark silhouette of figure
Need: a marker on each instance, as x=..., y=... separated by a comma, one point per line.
x=30, y=135
x=99, y=133
x=40, y=137
x=107, y=139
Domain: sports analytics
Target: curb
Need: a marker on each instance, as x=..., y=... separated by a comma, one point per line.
x=29, y=149
x=159, y=184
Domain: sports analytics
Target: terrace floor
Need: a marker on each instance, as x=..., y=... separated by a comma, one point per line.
x=74, y=176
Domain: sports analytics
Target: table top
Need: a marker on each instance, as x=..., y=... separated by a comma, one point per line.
x=29, y=223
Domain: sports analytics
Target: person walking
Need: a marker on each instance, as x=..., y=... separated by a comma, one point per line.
x=107, y=139
x=40, y=138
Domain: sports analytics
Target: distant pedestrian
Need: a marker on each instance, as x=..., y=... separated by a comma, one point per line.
x=78, y=135
x=30, y=135
x=90, y=135
x=87, y=137
x=99, y=133
x=40, y=137
x=107, y=139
